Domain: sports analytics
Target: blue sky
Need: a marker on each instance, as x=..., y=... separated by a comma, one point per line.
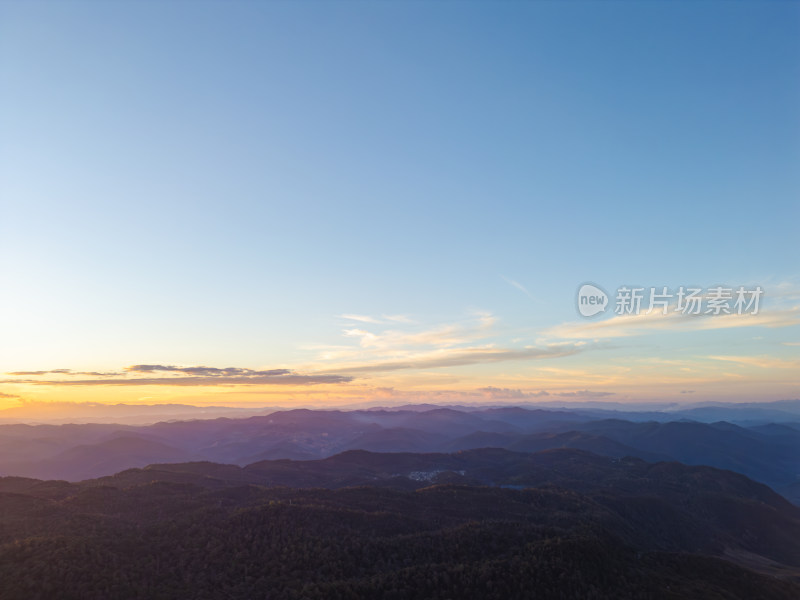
x=218, y=183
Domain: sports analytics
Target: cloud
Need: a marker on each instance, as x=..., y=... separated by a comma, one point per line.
x=360, y=318
x=509, y=394
x=200, y=381
x=520, y=287
x=63, y=372
x=32, y=373
x=375, y=320
x=585, y=394
x=460, y=343
x=398, y=318
x=190, y=376
x=764, y=362
x=206, y=371
x=485, y=395
x=456, y=357
x=451, y=334
x=687, y=391
x=447, y=335
x=4, y=395
x=633, y=325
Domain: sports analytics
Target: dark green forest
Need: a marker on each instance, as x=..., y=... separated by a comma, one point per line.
x=641, y=532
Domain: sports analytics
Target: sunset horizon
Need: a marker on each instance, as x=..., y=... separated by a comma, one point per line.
x=403, y=218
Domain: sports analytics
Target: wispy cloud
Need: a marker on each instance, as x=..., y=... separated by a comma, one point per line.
x=360, y=318
x=585, y=394
x=477, y=327
x=633, y=325
x=32, y=373
x=206, y=371
x=456, y=357
x=468, y=341
x=447, y=335
x=764, y=362
x=189, y=376
x=510, y=394
x=62, y=372
x=398, y=318
x=375, y=320
x=520, y=287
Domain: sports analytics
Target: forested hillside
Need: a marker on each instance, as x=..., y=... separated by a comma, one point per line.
x=591, y=527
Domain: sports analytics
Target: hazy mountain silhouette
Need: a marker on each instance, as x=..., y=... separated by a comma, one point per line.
x=768, y=452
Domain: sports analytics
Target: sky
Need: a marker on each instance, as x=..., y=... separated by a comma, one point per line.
x=330, y=203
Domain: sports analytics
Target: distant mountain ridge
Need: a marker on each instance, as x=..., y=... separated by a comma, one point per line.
x=769, y=453
x=741, y=413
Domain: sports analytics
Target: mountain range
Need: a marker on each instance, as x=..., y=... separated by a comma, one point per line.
x=767, y=452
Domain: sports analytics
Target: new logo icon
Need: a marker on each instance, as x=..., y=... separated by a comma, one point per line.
x=591, y=300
